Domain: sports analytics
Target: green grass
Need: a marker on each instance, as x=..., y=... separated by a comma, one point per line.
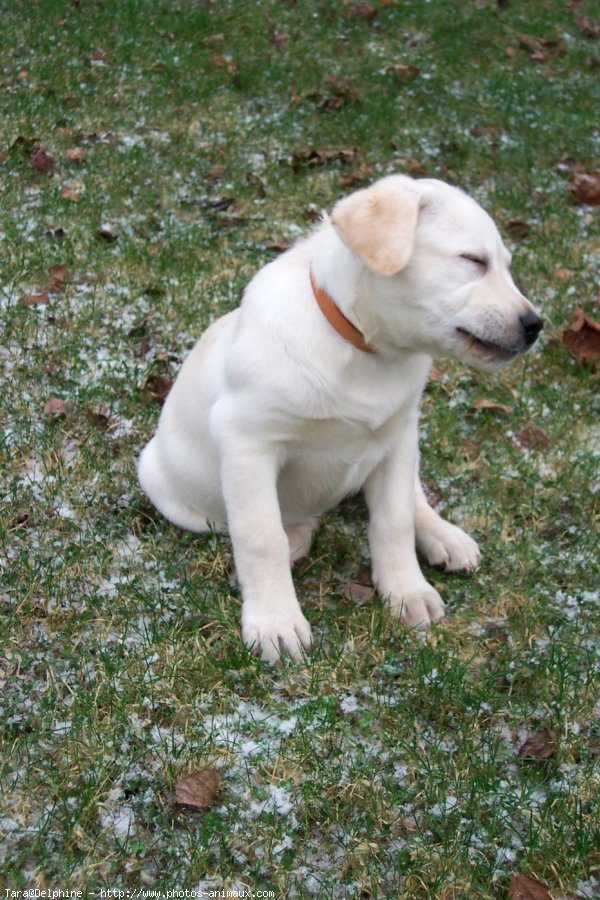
x=388, y=764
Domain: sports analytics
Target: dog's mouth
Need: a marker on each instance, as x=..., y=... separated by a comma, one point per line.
x=487, y=348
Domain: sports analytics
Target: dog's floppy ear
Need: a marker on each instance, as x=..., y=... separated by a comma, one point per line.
x=379, y=223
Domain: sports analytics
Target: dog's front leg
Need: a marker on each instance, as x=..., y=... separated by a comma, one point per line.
x=272, y=621
x=390, y=493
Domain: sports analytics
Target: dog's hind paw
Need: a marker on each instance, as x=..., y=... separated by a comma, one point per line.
x=448, y=547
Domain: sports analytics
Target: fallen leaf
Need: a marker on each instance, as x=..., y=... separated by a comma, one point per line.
x=412, y=165
x=533, y=437
x=278, y=246
x=563, y=274
x=214, y=38
x=71, y=192
x=517, y=229
x=542, y=49
x=359, y=176
x=197, y=790
x=524, y=887
x=540, y=745
x=358, y=593
x=216, y=173
x=58, y=276
x=336, y=92
x=98, y=416
x=55, y=407
x=311, y=157
x=277, y=38
x=490, y=405
x=99, y=56
x=34, y=299
x=157, y=387
x=588, y=27
x=71, y=99
x=363, y=11
x=582, y=336
x=220, y=61
x=402, y=71
x=585, y=187
x=76, y=154
x=42, y=160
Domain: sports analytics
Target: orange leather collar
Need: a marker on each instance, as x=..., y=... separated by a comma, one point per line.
x=337, y=319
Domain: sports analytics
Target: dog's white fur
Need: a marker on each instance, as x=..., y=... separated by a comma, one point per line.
x=274, y=417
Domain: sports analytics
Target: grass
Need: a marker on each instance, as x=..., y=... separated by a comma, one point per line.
x=387, y=765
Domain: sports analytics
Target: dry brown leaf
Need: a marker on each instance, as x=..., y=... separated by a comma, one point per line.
x=412, y=165
x=55, y=407
x=58, y=276
x=216, y=173
x=99, y=56
x=76, y=154
x=533, y=437
x=42, y=160
x=357, y=177
x=542, y=49
x=34, y=299
x=197, y=790
x=157, y=387
x=71, y=192
x=517, y=229
x=220, y=61
x=363, y=11
x=278, y=246
x=524, y=887
x=403, y=71
x=337, y=92
x=491, y=405
x=310, y=156
x=585, y=187
x=563, y=275
x=358, y=593
x=588, y=26
x=582, y=337
x=539, y=745
x=277, y=38
x=98, y=416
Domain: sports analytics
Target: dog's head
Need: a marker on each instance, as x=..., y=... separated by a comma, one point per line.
x=436, y=275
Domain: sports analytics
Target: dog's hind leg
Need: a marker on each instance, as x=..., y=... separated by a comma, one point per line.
x=300, y=538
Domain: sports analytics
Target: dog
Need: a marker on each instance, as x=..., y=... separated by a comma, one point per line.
x=310, y=390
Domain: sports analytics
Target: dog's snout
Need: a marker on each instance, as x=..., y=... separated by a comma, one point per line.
x=531, y=324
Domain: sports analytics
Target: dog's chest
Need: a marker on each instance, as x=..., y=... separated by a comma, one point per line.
x=331, y=459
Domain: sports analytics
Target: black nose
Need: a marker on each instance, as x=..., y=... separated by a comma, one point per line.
x=531, y=325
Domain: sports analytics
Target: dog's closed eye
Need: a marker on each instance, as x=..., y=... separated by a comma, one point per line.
x=481, y=262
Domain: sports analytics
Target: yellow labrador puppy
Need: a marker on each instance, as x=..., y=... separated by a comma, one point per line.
x=310, y=391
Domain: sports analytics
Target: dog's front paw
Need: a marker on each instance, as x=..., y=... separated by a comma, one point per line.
x=272, y=634
x=448, y=547
x=418, y=608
